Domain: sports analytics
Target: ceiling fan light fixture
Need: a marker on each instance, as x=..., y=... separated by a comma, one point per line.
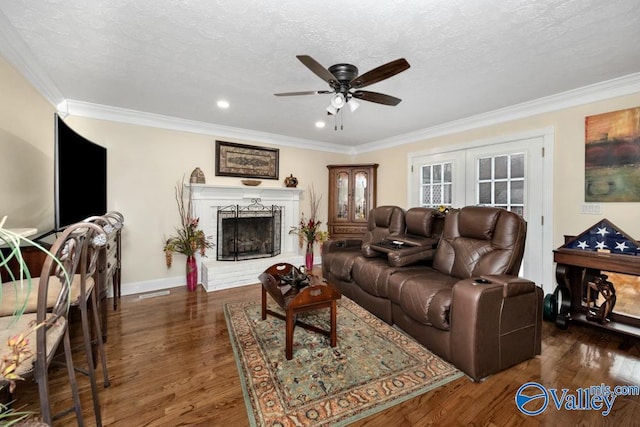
x=345, y=84
x=353, y=105
x=338, y=101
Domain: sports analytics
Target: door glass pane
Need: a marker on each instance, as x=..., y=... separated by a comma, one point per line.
x=437, y=173
x=517, y=165
x=484, y=193
x=360, y=196
x=501, y=193
x=447, y=172
x=501, y=167
x=426, y=195
x=342, y=198
x=437, y=193
x=426, y=174
x=446, y=196
x=517, y=192
x=484, y=168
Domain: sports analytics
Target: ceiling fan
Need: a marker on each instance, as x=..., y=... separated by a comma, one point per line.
x=345, y=83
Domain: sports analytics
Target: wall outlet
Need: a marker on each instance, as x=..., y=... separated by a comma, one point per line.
x=591, y=208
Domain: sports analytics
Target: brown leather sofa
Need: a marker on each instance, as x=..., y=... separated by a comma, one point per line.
x=421, y=271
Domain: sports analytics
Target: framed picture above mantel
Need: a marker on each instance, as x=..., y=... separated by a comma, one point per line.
x=246, y=161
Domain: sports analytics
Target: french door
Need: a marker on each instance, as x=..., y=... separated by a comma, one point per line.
x=507, y=175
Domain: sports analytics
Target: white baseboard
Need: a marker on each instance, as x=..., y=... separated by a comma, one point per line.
x=135, y=288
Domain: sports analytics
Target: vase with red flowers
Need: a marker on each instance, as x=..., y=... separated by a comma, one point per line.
x=308, y=229
x=188, y=240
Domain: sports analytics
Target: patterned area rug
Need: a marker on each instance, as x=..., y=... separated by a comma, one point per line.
x=374, y=366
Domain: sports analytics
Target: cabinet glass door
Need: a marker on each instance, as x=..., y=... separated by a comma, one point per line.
x=342, y=199
x=360, y=196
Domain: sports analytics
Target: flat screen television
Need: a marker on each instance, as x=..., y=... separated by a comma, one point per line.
x=80, y=181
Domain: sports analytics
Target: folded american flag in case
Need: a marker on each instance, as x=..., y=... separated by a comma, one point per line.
x=605, y=237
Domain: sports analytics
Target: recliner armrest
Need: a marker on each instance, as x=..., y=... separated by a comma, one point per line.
x=494, y=325
x=511, y=285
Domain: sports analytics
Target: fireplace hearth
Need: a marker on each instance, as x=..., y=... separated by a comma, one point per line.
x=248, y=232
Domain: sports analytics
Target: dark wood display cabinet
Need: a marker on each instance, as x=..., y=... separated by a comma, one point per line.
x=581, y=261
x=352, y=194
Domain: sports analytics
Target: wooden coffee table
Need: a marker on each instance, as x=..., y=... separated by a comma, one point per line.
x=293, y=301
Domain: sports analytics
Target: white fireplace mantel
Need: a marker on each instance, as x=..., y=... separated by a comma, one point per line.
x=208, y=199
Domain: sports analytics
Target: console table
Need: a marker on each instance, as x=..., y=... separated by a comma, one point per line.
x=575, y=269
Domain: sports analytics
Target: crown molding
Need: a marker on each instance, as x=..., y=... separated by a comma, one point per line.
x=621, y=86
x=122, y=115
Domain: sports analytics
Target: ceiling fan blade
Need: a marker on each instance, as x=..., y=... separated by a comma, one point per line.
x=380, y=73
x=318, y=69
x=376, y=97
x=308, y=92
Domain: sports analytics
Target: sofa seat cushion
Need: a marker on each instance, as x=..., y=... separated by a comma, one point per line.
x=399, y=277
x=340, y=262
x=372, y=275
x=426, y=298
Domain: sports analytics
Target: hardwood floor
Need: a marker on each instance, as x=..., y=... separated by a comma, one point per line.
x=171, y=364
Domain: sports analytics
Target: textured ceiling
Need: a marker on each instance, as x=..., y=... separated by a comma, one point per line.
x=177, y=58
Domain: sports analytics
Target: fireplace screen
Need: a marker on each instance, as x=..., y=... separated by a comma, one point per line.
x=248, y=232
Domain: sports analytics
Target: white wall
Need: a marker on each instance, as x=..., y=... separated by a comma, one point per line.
x=26, y=153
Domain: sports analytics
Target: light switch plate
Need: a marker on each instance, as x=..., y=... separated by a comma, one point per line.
x=591, y=208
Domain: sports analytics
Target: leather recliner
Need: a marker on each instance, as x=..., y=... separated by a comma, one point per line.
x=481, y=328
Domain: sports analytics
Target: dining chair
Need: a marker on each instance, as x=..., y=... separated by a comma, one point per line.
x=84, y=296
x=47, y=310
x=116, y=220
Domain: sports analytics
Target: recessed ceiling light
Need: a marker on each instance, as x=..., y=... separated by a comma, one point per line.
x=223, y=104
x=320, y=125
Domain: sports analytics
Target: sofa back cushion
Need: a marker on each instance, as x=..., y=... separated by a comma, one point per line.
x=479, y=240
x=419, y=221
x=383, y=222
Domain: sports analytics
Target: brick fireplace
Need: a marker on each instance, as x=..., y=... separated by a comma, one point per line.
x=208, y=200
